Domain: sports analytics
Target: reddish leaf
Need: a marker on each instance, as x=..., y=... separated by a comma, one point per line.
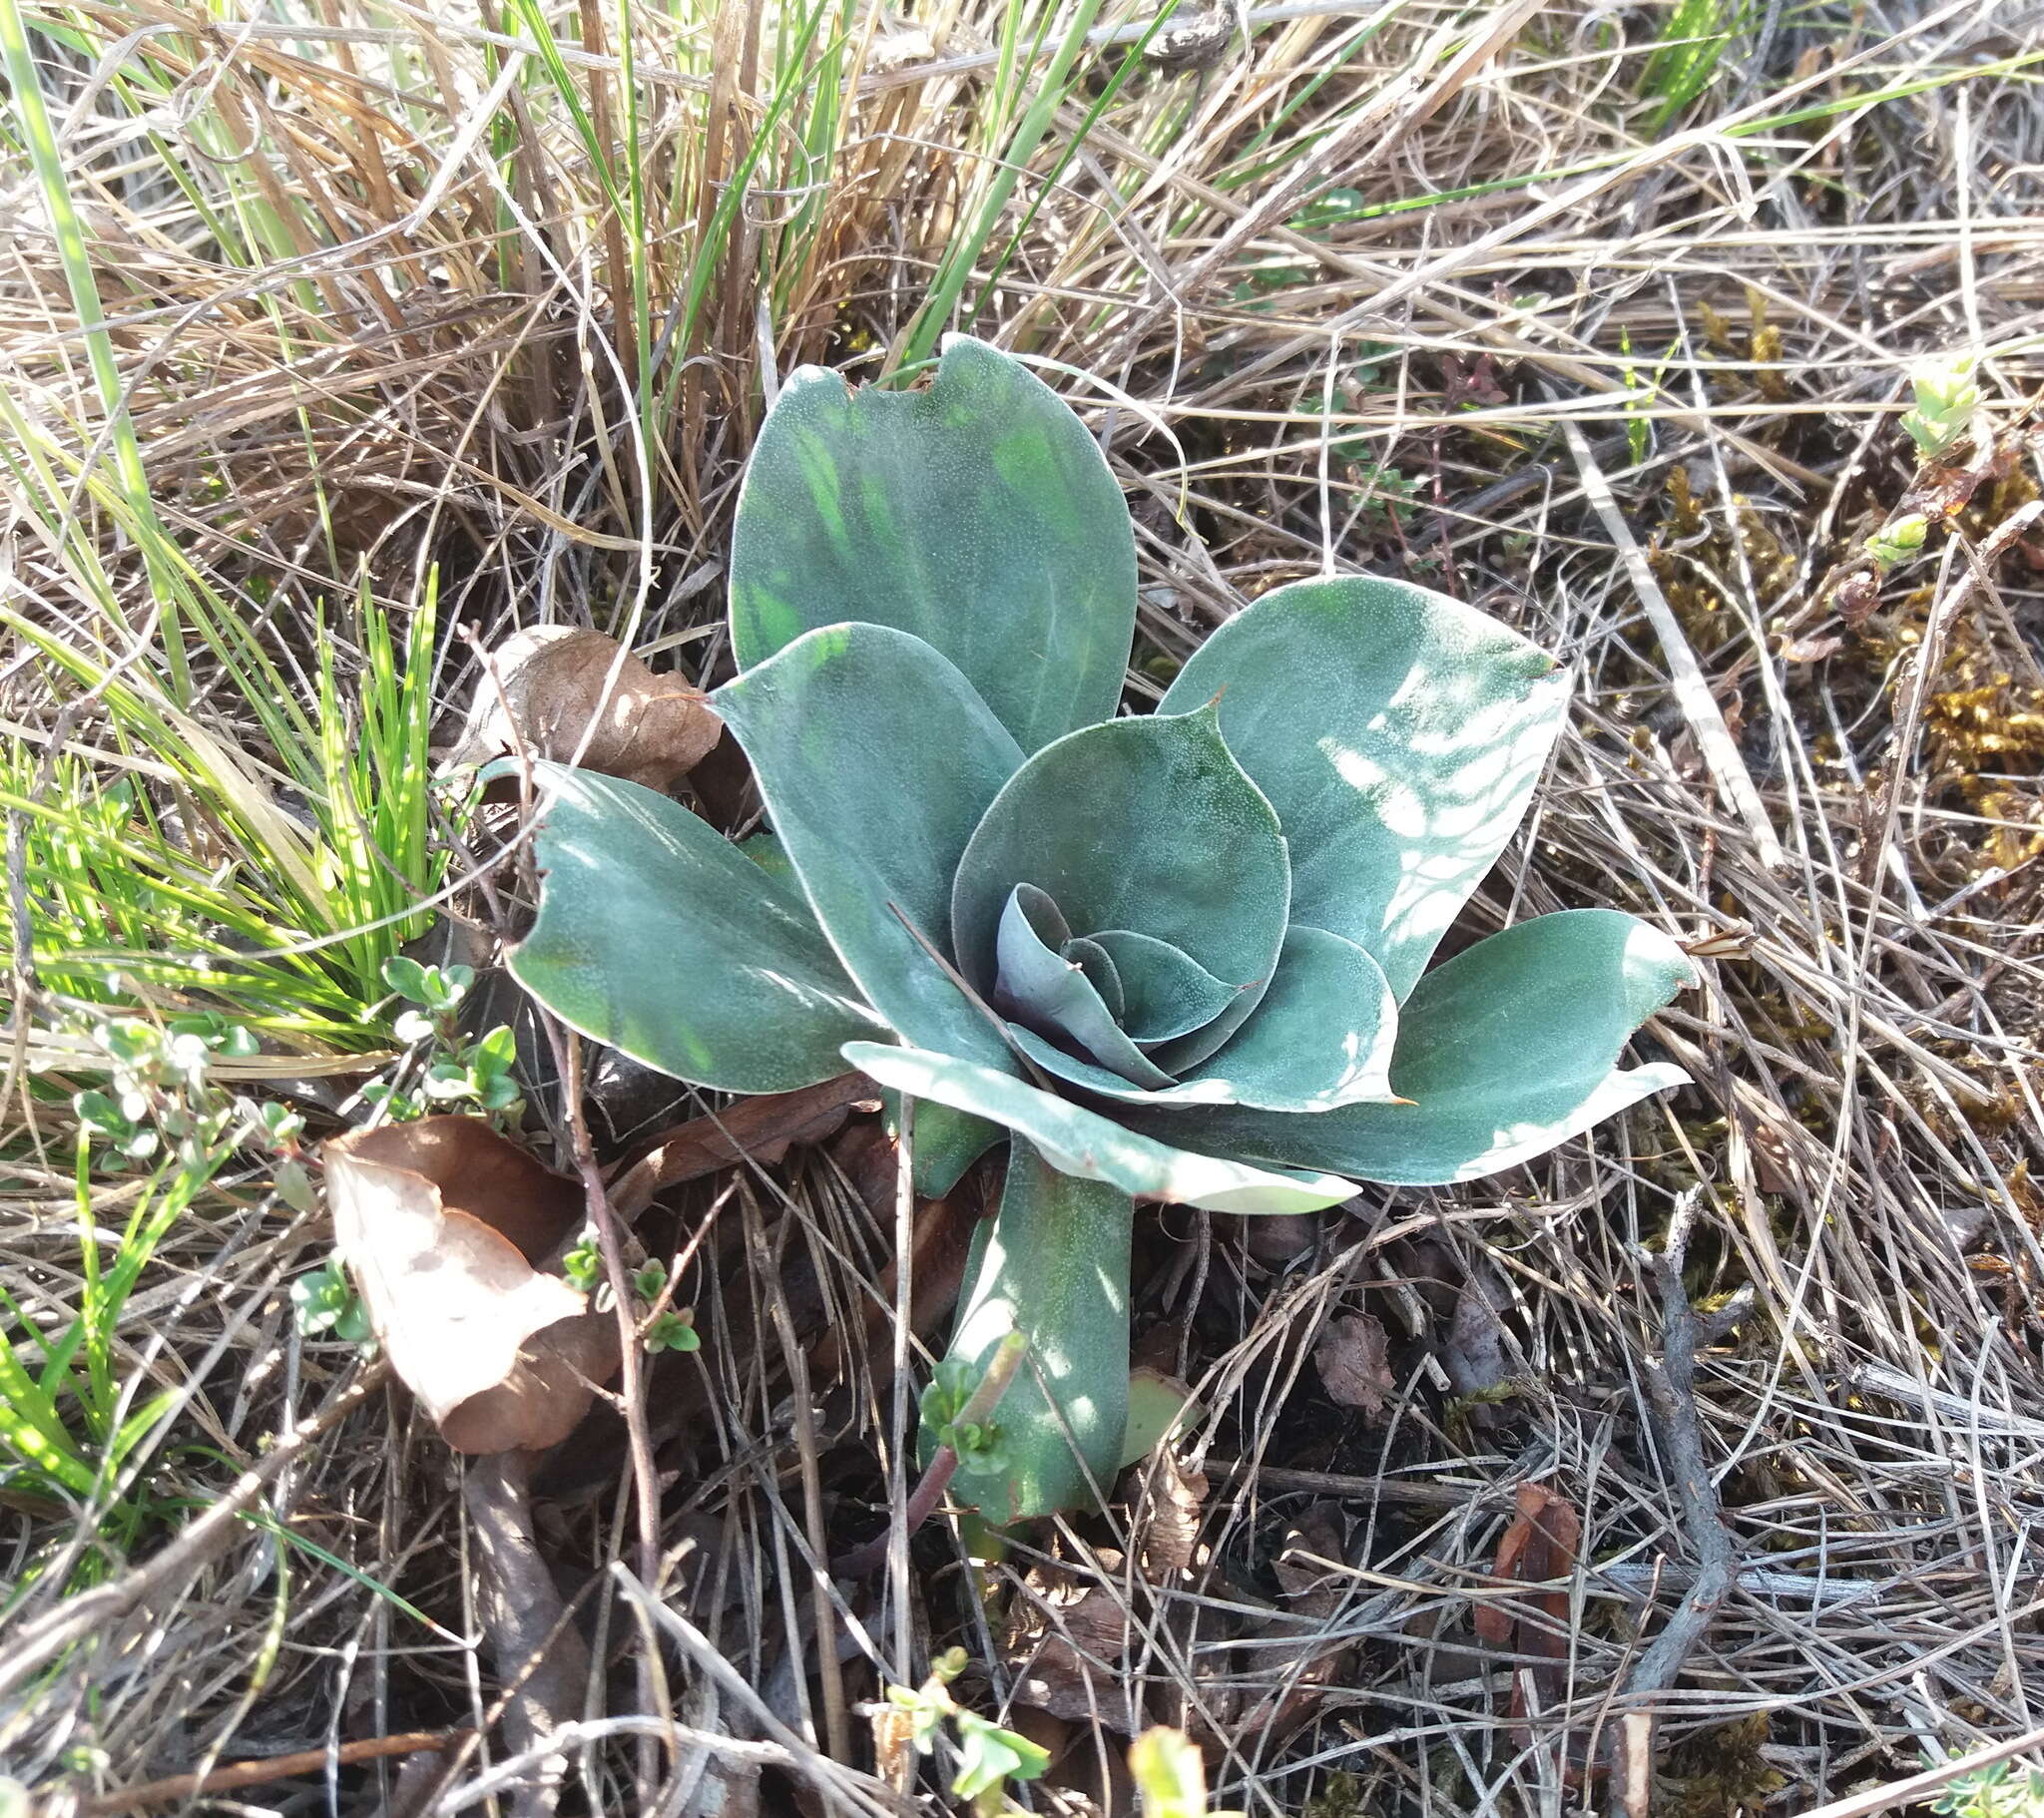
x=1539, y=1547
x=760, y=1130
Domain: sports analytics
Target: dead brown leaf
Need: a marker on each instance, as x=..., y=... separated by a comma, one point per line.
x=1071, y=1674
x=1538, y=1547
x=1354, y=1356
x=572, y=696
x=760, y=1130
x=1168, y=1517
x=1474, y=1354
x=1314, y=1586
x=441, y=1222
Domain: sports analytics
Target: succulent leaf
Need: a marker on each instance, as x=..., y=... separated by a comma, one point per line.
x=1053, y=995
x=659, y=937
x=1166, y=991
x=1079, y=1142
x=1506, y=1050
x=943, y=1142
x=977, y=513
x=1147, y=824
x=1052, y=1263
x=1321, y=1036
x=877, y=759
x=1104, y=1083
x=1398, y=733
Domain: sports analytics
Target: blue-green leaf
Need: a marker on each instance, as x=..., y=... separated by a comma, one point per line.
x=1507, y=1050
x=1145, y=824
x=977, y=513
x=1165, y=992
x=1322, y=1035
x=1398, y=733
x=1054, y=1267
x=875, y=760
x=1053, y=995
x=944, y=1143
x=657, y=936
x=1079, y=1142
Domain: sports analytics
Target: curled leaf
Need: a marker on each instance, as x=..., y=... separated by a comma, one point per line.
x=574, y=696
x=442, y=1221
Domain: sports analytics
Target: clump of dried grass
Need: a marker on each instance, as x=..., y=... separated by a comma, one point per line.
x=437, y=361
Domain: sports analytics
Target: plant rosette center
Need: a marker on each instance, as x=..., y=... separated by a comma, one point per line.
x=1182, y=956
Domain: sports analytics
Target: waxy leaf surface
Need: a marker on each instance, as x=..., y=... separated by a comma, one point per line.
x=875, y=759
x=1080, y=1142
x=1506, y=1050
x=976, y=513
x=1053, y=1265
x=1398, y=733
x=1145, y=824
x=658, y=936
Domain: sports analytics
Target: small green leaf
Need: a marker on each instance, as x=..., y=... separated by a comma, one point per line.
x=658, y=937
x=1159, y=1406
x=405, y=976
x=877, y=761
x=1398, y=733
x=1082, y=1143
x=976, y=514
x=1052, y=1265
x=1507, y=1050
x=1145, y=824
x=989, y=1755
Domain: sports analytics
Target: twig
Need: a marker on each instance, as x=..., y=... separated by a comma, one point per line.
x=581, y=1734
x=1933, y=1779
x=943, y=1465
x=274, y=1767
x=836, y=1711
x=1925, y=668
x=1671, y=1386
x=1685, y=674
x=567, y=1047
x=541, y=1657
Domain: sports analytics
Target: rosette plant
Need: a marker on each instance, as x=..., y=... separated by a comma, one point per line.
x=1177, y=956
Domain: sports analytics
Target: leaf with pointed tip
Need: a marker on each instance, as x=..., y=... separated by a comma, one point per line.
x=1079, y=1142
x=977, y=513
x=1147, y=824
x=875, y=760
x=1054, y=1267
x=1322, y=1035
x=1052, y=996
x=1507, y=1050
x=1165, y=992
x=1398, y=733
x=1104, y=1082
x=657, y=936
x=1321, y=1038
